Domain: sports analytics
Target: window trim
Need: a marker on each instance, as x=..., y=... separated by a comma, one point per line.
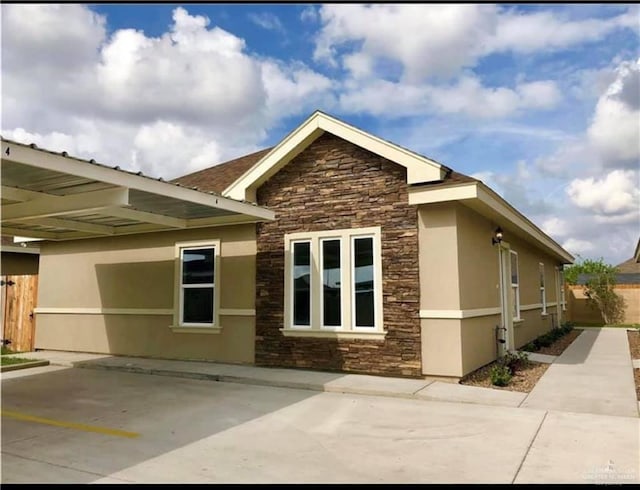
x=178, y=306
x=516, y=286
x=347, y=329
x=542, y=287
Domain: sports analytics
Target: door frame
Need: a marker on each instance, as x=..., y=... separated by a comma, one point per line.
x=506, y=301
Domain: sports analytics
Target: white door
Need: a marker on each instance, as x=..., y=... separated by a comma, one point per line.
x=506, y=300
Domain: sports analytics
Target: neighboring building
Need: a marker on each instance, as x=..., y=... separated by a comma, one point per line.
x=336, y=250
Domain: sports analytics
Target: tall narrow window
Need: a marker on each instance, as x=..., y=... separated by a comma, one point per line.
x=302, y=283
x=562, y=286
x=515, y=285
x=331, y=283
x=363, y=282
x=543, y=294
x=197, y=286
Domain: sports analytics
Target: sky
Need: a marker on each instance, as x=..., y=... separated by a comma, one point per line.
x=540, y=102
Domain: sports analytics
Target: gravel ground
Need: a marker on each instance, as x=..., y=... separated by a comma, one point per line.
x=525, y=379
x=634, y=347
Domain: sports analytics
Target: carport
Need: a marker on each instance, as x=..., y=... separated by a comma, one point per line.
x=52, y=196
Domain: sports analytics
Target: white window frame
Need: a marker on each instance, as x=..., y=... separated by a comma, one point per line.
x=317, y=327
x=515, y=286
x=542, y=287
x=178, y=324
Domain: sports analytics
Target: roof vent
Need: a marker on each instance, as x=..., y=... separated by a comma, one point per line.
x=33, y=145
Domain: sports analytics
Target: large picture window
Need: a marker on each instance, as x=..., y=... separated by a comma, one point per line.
x=344, y=294
x=197, y=284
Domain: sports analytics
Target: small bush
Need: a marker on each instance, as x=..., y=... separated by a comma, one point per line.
x=530, y=347
x=514, y=362
x=500, y=375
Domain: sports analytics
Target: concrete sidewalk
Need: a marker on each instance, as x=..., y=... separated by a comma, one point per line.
x=360, y=384
x=593, y=375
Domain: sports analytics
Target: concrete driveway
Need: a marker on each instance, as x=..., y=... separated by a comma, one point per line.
x=81, y=425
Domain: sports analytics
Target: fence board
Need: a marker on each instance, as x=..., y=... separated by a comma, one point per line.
x=19, y=301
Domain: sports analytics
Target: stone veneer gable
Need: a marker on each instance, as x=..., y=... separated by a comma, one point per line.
x=334, y=184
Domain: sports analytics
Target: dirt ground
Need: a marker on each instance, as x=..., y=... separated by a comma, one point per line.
x=525, y=379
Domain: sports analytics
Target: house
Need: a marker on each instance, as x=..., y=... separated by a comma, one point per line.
x=333, y=250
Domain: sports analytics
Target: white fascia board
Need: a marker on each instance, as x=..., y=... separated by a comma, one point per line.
x=498, y=204
x=51, y=161
x=426, y=195
x=419, y=169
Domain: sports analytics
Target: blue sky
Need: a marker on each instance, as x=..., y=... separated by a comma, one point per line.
x=541, y=102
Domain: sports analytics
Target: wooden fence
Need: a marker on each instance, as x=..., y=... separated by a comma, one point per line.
x=18, y=300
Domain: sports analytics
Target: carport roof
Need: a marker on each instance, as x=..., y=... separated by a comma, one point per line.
x=54, y=196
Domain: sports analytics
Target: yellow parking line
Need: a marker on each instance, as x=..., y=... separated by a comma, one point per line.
x=69, y=425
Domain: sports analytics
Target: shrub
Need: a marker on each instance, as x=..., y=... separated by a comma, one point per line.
x=500, y=375
x=530, y=347
x=514, y=362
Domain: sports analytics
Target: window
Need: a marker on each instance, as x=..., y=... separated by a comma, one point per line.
x=197, y=280
x=562, y=300
x=543, y=295
x=333, y=283
x=515, y=285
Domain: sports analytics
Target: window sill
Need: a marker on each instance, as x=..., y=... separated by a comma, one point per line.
x=204, y=330
x=333, y=334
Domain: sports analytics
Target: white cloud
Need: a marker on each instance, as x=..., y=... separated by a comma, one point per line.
x=617, y=193
x=186, y=99
x=527, y=33
x=615, y=129
x=555, y=226
x=444, y=38
x=467, y=97
x=447, y=38
x=267, y=21
x=578, y=247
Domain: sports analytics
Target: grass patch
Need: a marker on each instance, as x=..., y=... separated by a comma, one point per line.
x=4, y=350
x=7, y=360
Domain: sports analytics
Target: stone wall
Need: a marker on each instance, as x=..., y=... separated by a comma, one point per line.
x=336, y=185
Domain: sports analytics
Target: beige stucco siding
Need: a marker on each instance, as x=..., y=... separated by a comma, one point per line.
x=477, y=260
x=441, y=352
x=460, y=289
x=80, y=279
x=438, y=257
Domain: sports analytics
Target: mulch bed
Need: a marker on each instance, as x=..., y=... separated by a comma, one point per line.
x=525, y=379
x=560, y=345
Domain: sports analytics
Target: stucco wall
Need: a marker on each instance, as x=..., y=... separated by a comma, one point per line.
x=459, y=271
x=333, y=185
x=137, y=272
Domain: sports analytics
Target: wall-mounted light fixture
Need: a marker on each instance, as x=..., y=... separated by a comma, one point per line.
x=497, y=236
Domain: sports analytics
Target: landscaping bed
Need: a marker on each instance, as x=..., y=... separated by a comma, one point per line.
x=523, y=374
x=634, y=347
x=8, y=360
